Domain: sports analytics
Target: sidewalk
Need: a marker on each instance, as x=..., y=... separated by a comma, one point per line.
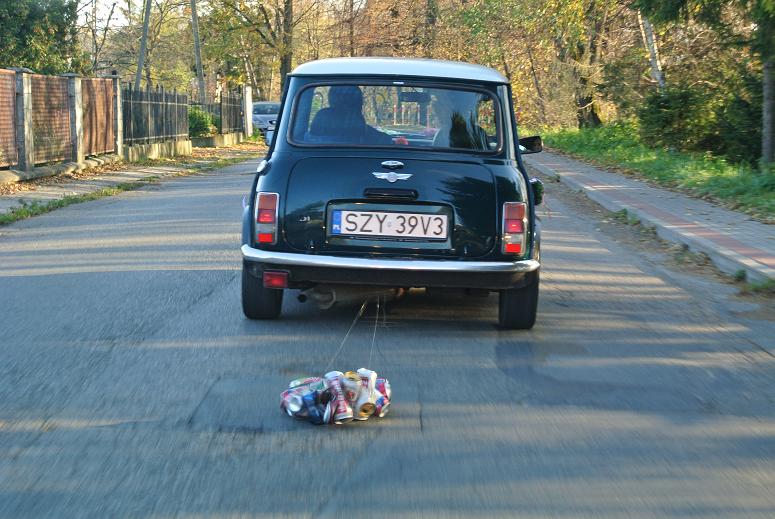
x=732, y=240
x=44, y=193
x=127, y=175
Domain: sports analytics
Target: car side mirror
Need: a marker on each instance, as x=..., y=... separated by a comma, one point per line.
x=538, y=190
x=268, y=134
x=529, y=145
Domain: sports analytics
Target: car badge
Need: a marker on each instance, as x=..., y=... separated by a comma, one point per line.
x=391, y=176
x=392, y=164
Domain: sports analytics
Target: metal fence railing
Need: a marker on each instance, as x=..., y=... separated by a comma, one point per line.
x=153, y=115
x=8, y=156
x=231, y=113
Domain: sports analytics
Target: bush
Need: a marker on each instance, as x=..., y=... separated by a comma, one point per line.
x=696, y=119
x=680, y=118
x=200, y=123
x=740, y=129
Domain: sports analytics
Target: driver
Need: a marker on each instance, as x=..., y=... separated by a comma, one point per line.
x=342, y=121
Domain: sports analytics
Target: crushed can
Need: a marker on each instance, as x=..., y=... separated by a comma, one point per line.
x=343, y=412
x=382, y=406
x=366, y=403
x=337, y=397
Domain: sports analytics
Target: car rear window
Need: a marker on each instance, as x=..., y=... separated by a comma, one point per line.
x=266, y=109
x=396, y=115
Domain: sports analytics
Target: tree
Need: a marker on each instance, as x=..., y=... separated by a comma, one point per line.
x=40, y=35
x=273, y=24
x=761, y=15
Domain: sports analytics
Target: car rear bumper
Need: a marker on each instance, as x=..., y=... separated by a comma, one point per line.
x=313, y=268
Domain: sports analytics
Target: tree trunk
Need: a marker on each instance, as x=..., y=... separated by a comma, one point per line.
x=143, y=44
x=351, y=27
x=650, y=42
x=539, y=91
x=768, y=102
x=198, y=54
x=286, y=50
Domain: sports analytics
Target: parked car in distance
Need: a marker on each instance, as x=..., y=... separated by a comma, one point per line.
x=386, y=174
x=265, y=115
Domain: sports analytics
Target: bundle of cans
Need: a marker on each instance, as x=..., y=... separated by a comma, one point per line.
x=337, y=397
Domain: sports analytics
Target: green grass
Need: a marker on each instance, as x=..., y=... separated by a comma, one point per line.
x=763, y=287
x=28, y=210
x=619, y=145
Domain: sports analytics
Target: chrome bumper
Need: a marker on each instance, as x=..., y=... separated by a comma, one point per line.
x=314, y=260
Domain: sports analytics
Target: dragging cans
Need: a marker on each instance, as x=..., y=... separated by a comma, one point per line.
x=337, y=397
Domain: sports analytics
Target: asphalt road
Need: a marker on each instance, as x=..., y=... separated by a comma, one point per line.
x=132, y=386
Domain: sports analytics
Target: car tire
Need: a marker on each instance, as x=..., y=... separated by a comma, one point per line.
x=517, y=307
x=259, y=302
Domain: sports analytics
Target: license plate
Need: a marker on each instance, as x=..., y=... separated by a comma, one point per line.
x=398, y=225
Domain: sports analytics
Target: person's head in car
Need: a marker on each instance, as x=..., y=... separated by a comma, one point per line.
x=455, y=112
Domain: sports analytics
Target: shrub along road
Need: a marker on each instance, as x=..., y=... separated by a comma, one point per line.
x=132, y=386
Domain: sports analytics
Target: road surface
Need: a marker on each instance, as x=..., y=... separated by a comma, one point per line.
x=131, y=385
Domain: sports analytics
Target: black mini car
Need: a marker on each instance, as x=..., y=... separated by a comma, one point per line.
x=386, y=174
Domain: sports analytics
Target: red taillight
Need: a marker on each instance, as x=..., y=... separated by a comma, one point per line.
x=266, y=217
x=275, y=279
x=514, y=227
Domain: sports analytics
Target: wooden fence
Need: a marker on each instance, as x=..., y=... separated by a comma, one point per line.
x=98, y=116
x=8, y=156
x=51, y=130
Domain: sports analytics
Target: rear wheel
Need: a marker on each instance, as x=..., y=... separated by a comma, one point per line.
x=517, y=307
x=259, y=302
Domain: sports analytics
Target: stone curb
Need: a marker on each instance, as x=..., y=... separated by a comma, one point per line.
x=11, y=176
x=726, y=260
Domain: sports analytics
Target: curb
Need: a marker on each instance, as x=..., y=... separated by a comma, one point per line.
x=726, y=260
x=12, y=176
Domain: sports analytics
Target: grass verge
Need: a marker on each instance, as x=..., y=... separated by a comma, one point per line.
x=619, y=146
x=28, y=210
x=188, y=165
x=764, y=287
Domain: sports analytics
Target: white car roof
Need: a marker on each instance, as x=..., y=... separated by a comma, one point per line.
x=417, y=67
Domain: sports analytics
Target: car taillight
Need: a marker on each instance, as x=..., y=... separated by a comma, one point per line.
x=266, y=217
x=514, y=235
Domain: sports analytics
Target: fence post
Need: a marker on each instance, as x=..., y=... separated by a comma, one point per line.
x=75, y=103
x=24, y=135
x=247, y=110
x=223, y=112
x=163, y=110
x=118, y=116
x=148, y=94
x=174, y=102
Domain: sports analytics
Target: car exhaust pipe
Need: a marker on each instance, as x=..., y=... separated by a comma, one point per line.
x=327, y=296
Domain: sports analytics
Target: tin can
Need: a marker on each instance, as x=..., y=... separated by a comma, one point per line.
x=304, y=381
x=383, y=386
x=351, y=385
x=343, y=412
x=315, y=412
x=382, y=406
x=366, y=403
